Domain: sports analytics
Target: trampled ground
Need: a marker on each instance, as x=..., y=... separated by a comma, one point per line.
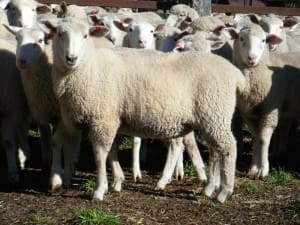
x=253, y=202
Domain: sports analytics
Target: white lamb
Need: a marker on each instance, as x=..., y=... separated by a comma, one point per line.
x=146, y=93
x=272, y=90
x=14, y=112
x=34, y=60
x=181, y=15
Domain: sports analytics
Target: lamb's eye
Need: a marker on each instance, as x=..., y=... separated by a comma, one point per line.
x=85, y=36
x=59, y=34
x=33, y=10
x=241, y=39
x=130, y=29
x=151, y=31
x=264, y=40
x=40, y=41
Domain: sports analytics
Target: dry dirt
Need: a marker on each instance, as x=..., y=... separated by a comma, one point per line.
x=180, y=204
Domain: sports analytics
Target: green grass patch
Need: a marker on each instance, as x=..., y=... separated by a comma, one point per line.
x=94, y=216
x=88, y=185
x=279, y=177
x=127, y=142
x=251, y=187
x=293, y=208
x=40, y=219
x=189, y=169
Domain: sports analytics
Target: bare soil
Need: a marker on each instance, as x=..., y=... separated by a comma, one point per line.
x=180, y=204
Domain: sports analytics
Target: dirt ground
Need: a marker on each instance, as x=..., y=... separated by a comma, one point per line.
x=180, y=204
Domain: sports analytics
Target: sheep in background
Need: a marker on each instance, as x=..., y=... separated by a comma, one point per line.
x=195, y=42
x=272, y=89
x=152, y=106
x=181, y=15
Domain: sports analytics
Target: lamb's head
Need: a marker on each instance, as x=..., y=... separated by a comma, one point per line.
x=140, y=33
x=196, y=42
x=115, y=35
x=181, y=13
x=251, y=44
x=166, y=36
x=272, y=26
x=30, y=45
x=23, y=13
x=72, y=42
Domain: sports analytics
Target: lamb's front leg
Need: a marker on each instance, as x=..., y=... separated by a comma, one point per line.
x=174, y=149
x=101, y=153
x=136, y=170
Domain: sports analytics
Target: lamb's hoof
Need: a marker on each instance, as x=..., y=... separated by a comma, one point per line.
x=223, y=195
x=160, y=185
x=203, y=178
x=179, y=176
x=253, y=173
x=56, y=183
x=98, y=196
x=209, y=190
x=117, y=186
x=137, y=176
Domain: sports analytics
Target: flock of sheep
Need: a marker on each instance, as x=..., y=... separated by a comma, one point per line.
x=70, y=68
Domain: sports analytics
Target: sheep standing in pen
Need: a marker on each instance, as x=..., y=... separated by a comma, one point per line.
x=34, y=60
x=181, y=16
x=145, y=93
x=14, y=112
x=272, y=89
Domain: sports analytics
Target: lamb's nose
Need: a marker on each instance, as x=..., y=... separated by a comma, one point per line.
x=71, y=59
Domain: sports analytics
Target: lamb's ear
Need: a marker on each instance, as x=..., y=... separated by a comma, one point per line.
x=254, y=18
x=186, y=31
x=93, y=18
x=231, y=33
x=12, y=29
x=217, y=44
x=98, y=31
x=289, y=21
x=43, y=8
x=4, y=4
x=50, y=25
x=273, y=39
x=218, y=29
x=122, y=25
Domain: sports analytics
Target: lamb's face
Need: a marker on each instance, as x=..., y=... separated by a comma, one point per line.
x=30, y=44
x=272, y=26
x=192, y=43
x=141, y=35
x=114, y=34
x=70, y=42
x=24, y=13
x=251, y=44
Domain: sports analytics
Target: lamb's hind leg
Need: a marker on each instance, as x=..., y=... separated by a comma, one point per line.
x=195, y=156
x=116, y=168
x=174, y=149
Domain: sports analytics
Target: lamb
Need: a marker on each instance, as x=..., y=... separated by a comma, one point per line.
x=140, y=34
x=24, y=13
x=181, y=16
x=272, y=89
x=195, y=42
x=138, y=100
x=34, y=60
x=14, y=114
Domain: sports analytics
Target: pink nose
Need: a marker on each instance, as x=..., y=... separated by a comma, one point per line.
x=252, y=58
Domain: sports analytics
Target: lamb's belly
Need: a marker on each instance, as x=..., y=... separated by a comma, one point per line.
x=155, y=130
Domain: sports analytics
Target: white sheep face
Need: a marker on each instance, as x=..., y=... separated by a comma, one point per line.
x=30, y=44
x=272, y=26
x=251, y=44
x=141, y=35
x=24, y=13
x=70, y=39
